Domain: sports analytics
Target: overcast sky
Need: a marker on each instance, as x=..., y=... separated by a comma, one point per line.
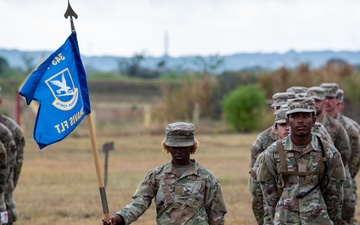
x=193, y=27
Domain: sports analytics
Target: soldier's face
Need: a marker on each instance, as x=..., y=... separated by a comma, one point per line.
x=180, y=155
x=330, y=104
x=301, y=123
x=319, y=104
x=282, y=129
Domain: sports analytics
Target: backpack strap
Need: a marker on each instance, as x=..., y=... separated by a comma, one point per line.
x=283, y=169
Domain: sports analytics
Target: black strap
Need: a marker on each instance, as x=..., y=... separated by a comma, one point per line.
x=303, y=194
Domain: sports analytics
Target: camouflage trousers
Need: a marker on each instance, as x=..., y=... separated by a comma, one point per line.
x=257, y=203
x=349, y=203
x=9, y=200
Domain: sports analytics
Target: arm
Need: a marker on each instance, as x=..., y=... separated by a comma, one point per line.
x=141, y=199
x=215, y=203
x=333, y=193
x=266, y=176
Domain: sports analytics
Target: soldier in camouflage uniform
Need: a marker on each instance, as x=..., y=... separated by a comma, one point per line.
x=301, y=175
x=263, y=140
x=281, y=128
x=330, y=103
x=339, y=108
x=15, y=162
x=184, y=191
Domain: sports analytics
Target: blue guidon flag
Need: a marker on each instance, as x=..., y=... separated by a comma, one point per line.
x=59, y=85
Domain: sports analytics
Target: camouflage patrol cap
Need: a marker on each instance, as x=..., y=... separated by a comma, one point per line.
x=330, y=89
x=317, y=93
x=180, y=134
x=280, y=98
x=297, y=89
x=280, y=114
x=340, y=95
x=302, y=95
x=301, y=105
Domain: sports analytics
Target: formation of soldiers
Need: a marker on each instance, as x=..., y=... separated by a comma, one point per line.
x=309, y=175
x=12, y=144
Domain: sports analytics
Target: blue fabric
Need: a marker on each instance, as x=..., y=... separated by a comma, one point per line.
x=59, y=85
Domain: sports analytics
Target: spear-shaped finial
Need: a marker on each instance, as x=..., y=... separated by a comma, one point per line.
x=70, y=12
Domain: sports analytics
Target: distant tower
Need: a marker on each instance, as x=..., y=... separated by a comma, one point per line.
x=166, y=45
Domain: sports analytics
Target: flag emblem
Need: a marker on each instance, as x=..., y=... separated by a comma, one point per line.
x=63, y=89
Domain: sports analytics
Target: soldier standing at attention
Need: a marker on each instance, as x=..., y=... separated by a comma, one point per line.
x=331, y=101
x=184, y=191
x=14, y=165
x=301, y=175
x=263, y=140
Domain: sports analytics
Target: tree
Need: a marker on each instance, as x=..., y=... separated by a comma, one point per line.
x=243, y=108
x=4, y=66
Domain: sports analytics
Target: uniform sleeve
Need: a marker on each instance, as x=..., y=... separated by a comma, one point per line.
x=266, y=176
x=141, y=199
x=342, y=143
x=333, y=193
x=215, y=203
x=355, y=151
x=255, y=150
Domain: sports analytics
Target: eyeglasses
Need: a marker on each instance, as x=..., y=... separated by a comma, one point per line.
x=276, y=107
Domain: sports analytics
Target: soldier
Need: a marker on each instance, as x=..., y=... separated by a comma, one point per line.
x=281, y=128
x=301, y=175
x=330, y=103
x=14, y=165
x=263, y=140
x=341, y=141
x=185, y=192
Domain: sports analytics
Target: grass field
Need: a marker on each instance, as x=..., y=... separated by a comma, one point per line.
x=58, y=184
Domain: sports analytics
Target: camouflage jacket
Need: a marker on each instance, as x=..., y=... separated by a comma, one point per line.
x=19, y=139
x=339, y=136
x=262, y=142
x=195, y=197
x=321, y=206
x=353, y=134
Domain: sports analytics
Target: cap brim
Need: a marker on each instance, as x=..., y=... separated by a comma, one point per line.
x=299, y=110
x=280, y=121
x=180, y=143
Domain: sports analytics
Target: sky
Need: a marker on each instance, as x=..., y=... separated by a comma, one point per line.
x=182, y=27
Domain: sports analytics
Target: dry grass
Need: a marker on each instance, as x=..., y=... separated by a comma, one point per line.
x=58, y=184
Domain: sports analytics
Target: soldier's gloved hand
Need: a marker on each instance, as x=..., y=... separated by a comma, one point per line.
x=114, y=220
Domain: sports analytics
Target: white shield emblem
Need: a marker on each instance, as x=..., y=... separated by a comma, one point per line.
x=63, y=89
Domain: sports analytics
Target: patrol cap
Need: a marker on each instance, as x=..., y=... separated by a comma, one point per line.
x=330, y=89
x=280, y=98
x=297, y=89
x=302, y=95
x=301, y=105
x=180, y=134
x=280, y=114
x=317, y=93
x=340, y=95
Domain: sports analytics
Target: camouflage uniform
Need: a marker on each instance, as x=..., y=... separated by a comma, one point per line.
x=321, y=206
x=287, y=170
x=14, y=165
x=263, y=140
x=8, y=156
x=352, y=165
x=194, y=197
x=184, y=191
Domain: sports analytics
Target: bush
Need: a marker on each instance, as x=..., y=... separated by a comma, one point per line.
x=243, y=108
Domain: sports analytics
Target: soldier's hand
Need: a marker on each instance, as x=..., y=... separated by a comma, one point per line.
x=113, y=220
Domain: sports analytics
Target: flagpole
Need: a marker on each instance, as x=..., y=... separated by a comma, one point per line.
x=70, y=13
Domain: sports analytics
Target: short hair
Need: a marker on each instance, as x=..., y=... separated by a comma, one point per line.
x=193, y=150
